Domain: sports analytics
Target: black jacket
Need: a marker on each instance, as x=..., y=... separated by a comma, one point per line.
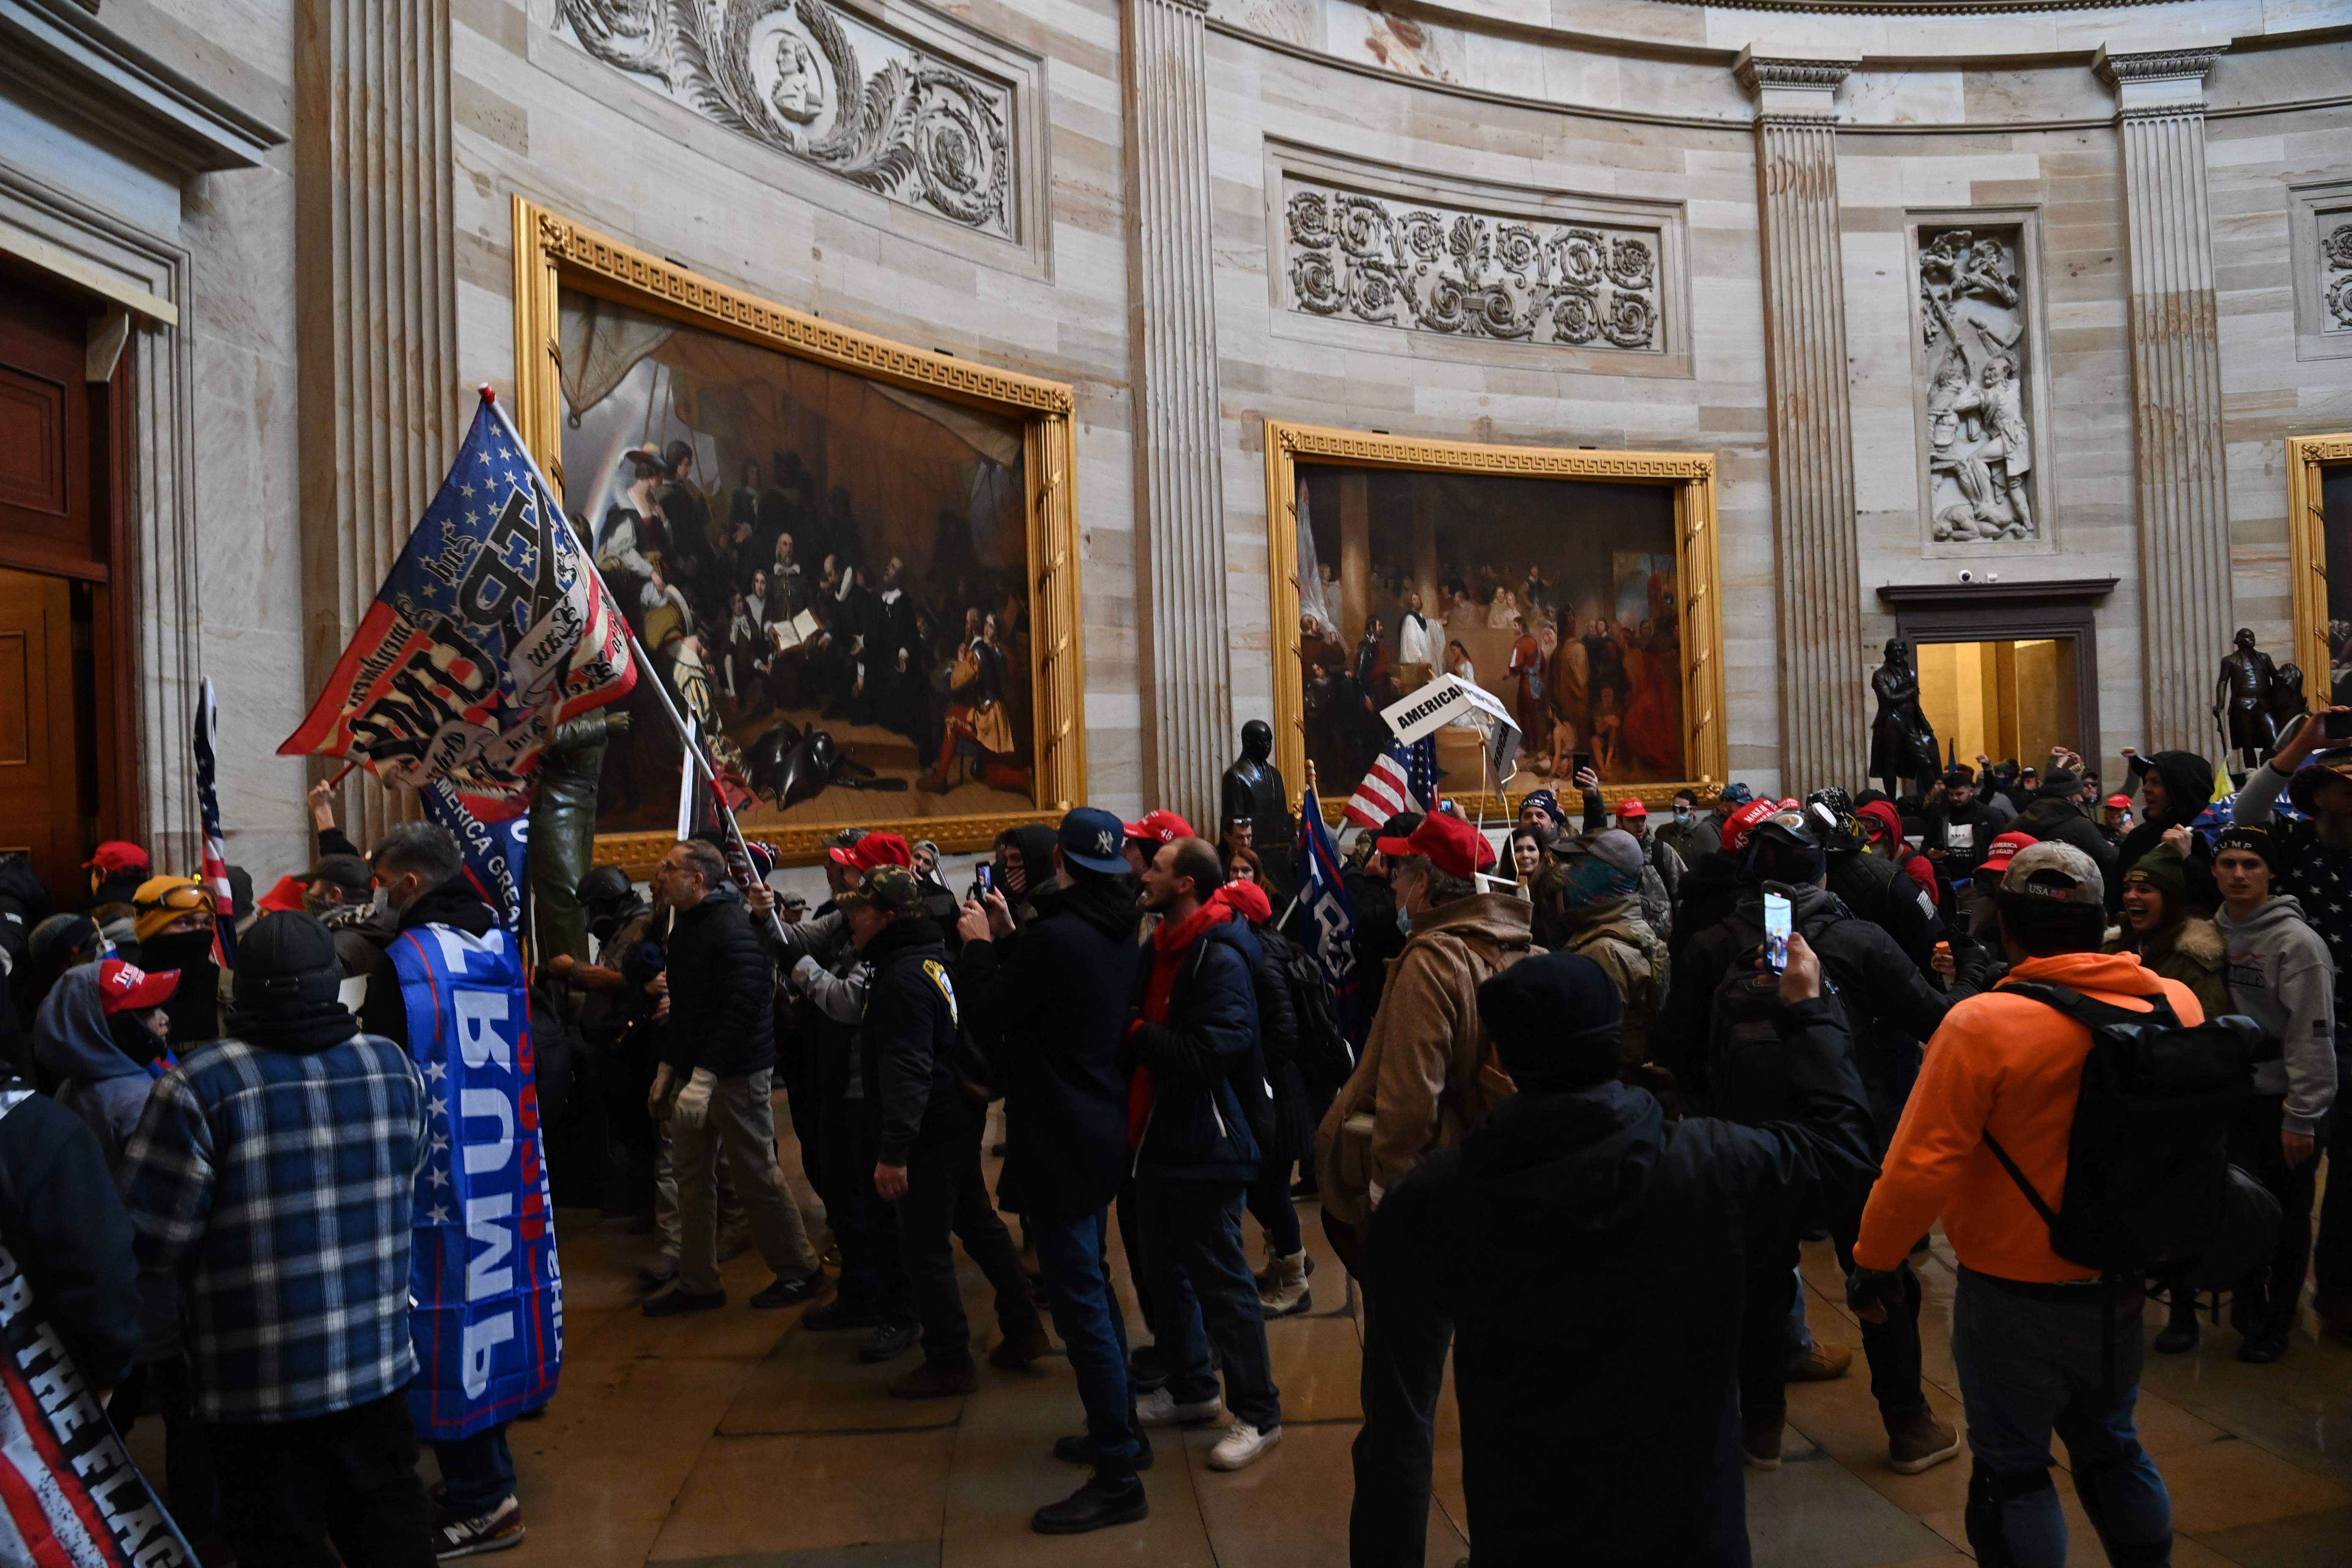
x=1707, y=894
x=453, y=903
x=2188, y=790
x=1208, y=1075
x=1876, y=890
x=1589, y=1257
x=1287, y=1130
x=60, y=1217
x=722, y=990
x=1049, y=1006
x=907, y=1043
x=2053, y=816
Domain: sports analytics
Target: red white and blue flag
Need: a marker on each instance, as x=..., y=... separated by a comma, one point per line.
x=492, y=629
x=216, y=877
x=1402, y=778
x=1323, y=918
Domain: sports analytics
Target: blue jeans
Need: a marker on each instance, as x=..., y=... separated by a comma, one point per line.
x=1201, y=1287
x=477, y=1472
x=2033, y=1360
x=1072, y=1254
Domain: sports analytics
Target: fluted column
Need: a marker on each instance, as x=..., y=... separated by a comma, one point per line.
x=376, y=310
x=1180, y=518
x=2184, y=512
x=1825, y=663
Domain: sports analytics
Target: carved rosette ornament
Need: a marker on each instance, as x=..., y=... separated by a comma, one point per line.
x=1442, y=270
x=824, y=86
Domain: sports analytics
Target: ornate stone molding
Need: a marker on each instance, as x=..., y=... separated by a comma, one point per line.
x=2156, y=65
x=1180, y=511
x=1325, y=445
x=1471, y=274
x=823, y=85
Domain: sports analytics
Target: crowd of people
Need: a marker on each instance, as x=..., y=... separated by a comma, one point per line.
x=1567, y=1117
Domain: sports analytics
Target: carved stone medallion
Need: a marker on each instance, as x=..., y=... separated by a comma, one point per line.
x=826, y=87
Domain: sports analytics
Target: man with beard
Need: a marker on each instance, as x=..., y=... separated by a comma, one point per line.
x=1957, y=831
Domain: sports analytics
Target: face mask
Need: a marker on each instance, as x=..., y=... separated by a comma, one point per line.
x=1405, y=920
x=1682, y=814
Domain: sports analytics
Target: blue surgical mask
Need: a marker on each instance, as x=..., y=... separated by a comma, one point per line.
x=1682, y=814
x=1405, y=920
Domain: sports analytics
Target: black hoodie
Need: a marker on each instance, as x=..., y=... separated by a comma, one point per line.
x=2188, y=790
x=1590, y=1257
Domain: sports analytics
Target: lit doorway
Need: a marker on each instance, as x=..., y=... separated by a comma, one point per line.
x=2006, y=701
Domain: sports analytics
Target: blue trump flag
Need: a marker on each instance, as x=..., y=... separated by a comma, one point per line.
x=496, y=852
x=488, y=1295
x=1323, y=918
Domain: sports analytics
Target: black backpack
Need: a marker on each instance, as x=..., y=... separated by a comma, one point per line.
x=1324, y=1058
x=1747, y=1075
x=2149, y=1188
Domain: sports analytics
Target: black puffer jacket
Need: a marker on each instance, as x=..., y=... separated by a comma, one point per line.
x=453, y=903
x=1207, y=1074
x=1588, y=1257
x=722, y=990
x=1049, y=1004
x=2188, y=790
x=907, y=1045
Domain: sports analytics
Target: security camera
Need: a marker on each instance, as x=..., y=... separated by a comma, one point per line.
x=1966, y=575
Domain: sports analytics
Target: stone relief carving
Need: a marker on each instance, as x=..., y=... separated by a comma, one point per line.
x=1980, y=415
x=1445, y=269
x=2336, y=257
x=824, y=87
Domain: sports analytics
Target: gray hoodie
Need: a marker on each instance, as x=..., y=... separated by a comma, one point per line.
x=2281, y=977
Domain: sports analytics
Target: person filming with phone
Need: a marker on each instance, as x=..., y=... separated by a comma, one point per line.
x=1715, y=1035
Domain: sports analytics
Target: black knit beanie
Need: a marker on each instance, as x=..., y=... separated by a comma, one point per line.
x=1557, y=1021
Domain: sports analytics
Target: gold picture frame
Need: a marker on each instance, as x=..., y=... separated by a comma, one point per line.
x=2306, y=526
x=1692, y=476
x=552, y=253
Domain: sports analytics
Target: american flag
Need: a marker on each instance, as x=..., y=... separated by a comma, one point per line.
x=1402, y=778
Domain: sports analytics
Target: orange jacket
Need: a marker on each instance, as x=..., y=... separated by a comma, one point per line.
x=2012, y=1066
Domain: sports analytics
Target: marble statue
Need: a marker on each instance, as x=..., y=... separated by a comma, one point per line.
x=1979, y=425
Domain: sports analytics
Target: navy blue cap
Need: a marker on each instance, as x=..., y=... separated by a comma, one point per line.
x=1093, y=840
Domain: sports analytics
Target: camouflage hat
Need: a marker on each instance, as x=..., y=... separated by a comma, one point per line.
x=890, y=887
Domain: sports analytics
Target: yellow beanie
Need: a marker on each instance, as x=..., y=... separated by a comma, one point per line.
x=160, y=901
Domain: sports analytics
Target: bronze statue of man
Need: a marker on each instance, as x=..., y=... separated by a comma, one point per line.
x=1253, y=790
x=2243, y=694
x=1902, y=742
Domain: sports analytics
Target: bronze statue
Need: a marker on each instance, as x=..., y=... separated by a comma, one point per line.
x=2243, y=695
x=563, y=830
x=1254, y=793
x=1902, y=742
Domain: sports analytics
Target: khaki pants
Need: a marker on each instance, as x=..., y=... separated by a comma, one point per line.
x=742, y=1122
x=731, y=1219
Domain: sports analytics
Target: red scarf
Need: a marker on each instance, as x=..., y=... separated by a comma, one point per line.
x=1172, y=941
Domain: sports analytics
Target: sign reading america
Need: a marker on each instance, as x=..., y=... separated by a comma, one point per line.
x=491, y=630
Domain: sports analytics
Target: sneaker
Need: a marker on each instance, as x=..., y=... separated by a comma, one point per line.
x=1160, y=1408
x=493, y=1532
x=888, y=1341
x=1823, y=1363
x=1920, y=1444
x=932, y=1381
x=1077, y=1448
x=1242, y=1446
x=1147, y=1369
x=841, y=1313
x=672, y=1302
x=789, y=1292
x=1102, y=1501
x=1015, y=1352
x=1760, y=1441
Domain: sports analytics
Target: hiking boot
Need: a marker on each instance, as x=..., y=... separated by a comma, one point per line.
x=1823, y=1363
x=888, y=1341
x=1760, y=1441
x=2180, y=1334
x=1016, y=1351
x=789, y=1292
x=1160, y=1408
x=1147, y=1369
x=675, y=1301
x=841, y=1313
x=1286, y=1295
x=932, y=1381
x=2262, y=1347
x=1242, y=1446
x=1921, y=1443
x=1077, y=1448
x=1105, y=1500
x=493, y=1532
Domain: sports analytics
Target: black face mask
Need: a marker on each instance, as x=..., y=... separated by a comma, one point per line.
x=194, y=1004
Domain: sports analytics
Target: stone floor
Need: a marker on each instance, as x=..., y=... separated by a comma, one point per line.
x=735, y=1440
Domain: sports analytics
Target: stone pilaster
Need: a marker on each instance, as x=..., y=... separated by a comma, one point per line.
x=1824, y=659
x=2184, y=542
x=376, y=311
x=1172, y=315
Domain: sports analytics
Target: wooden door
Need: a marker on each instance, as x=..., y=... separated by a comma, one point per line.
x=40, y=730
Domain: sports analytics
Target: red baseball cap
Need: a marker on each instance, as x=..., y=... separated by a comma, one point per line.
x=2120, y=801
x=874, y=849
x=1158, y=827
x=1998, y=852
x=1741, y=822
x=1633, y=808
x=283, y=898
x=116, y=854
x=127, y=988
x=1452, y=844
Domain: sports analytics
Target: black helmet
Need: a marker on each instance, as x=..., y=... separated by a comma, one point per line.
x=605, y=885
x=1831, y=813
x=1786, y=846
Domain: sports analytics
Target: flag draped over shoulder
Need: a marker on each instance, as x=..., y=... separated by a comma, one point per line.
x=1323, y=918
x=496, y=853
x=492, y=629
x=1402, y=778
x=216, y=879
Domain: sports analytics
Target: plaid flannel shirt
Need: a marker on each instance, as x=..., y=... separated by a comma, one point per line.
x=281, y=1189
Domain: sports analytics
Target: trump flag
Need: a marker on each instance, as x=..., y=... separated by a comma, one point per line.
x=492, y=629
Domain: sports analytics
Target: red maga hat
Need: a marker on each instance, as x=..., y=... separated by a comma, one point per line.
x=874, y=849
x=1158, y=827
x=127, y=988
x=1452, y=844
